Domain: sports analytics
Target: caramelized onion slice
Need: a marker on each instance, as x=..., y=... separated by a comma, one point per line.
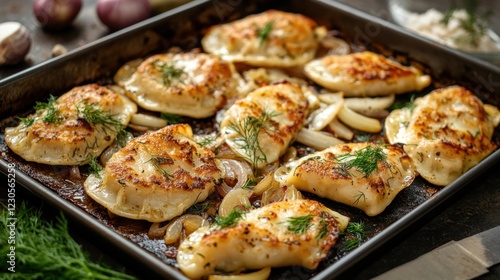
x=186, y=224
x=340, y=130
x=358, y=121
x=235, y=198
x=147, y=120
x=316, y=139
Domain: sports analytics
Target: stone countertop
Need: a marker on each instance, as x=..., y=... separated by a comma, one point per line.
x=472, y=210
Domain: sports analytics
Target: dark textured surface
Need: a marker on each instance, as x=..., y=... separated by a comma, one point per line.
x=473, y=210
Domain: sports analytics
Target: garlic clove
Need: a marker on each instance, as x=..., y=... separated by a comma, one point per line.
x=15, y=42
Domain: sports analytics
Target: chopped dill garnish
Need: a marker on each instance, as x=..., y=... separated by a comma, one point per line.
x=169, y=72
x=52, y=115
x=324, y=228
x=27, y=122
x=95, y=115
x=300, y=224
x=248, y=139
x=358, y=198
x=234, y=216
x=171, y=118
x=250, y=183
x=199, y=208
x=122, y=137
x=206, y=141
x=44, y=249
x=365, y=160
x=400, y=105
x=156, y=161
x=354, y=234
x=94, y=166
x=263, y=34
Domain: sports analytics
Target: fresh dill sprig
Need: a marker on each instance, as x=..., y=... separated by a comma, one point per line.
x=250, y=183
x=206, y=141
x=169, y=72
x=232, y=218
x=199, y=208
x=27, y=122
x=94, y=166
x=263, y=33
x=156, y=161
x=52, y=115
x=400, y=105
x=358, y=198
x=324, y=228
x=365, y=160
x=248, y=139
x=354, y=234
x=172, y=118
x=95, y=115
x=45, y=250
x=123, y=137
x=299, y=224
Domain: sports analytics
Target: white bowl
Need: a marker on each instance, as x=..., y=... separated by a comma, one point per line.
x=424, y=18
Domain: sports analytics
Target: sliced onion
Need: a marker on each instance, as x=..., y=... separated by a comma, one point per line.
x=148, y=121
x=335, y=46
x=325, y=115
x=156, y=230
x=358, y=121
x=292, y=193
x=274, y=194
x=237, y=169
x=316, y=139
x=262, y=274
x=340, y=130
x=369, y=106
x=264, y=184
x=56, y=14
x=331, y=97
x=185, y=224
x=235, y=198
x=118, y=14
x=223, y=189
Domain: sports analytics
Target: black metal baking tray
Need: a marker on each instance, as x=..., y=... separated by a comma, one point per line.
x=183, y=27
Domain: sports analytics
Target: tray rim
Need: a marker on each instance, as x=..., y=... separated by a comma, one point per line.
x=154, y=263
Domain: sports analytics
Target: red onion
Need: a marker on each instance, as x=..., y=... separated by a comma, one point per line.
x=118, y=14
x=56, y=14
x=15, y=42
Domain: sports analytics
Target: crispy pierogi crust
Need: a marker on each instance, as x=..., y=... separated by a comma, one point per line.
x=446, y=133
x=262, y=239
x=72, y=140
x=270, y=39
x=156, y=176
x=281, y=107
x=188, y=84
x=323, y=174
x=365, y=74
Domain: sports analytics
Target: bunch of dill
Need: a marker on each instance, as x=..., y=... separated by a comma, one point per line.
x=45, y=250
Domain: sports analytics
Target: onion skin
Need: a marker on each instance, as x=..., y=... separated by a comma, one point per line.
x=56, y=14
x=15, y=43
x=118, y=14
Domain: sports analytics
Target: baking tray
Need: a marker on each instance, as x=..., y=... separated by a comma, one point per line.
x=97, y=62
